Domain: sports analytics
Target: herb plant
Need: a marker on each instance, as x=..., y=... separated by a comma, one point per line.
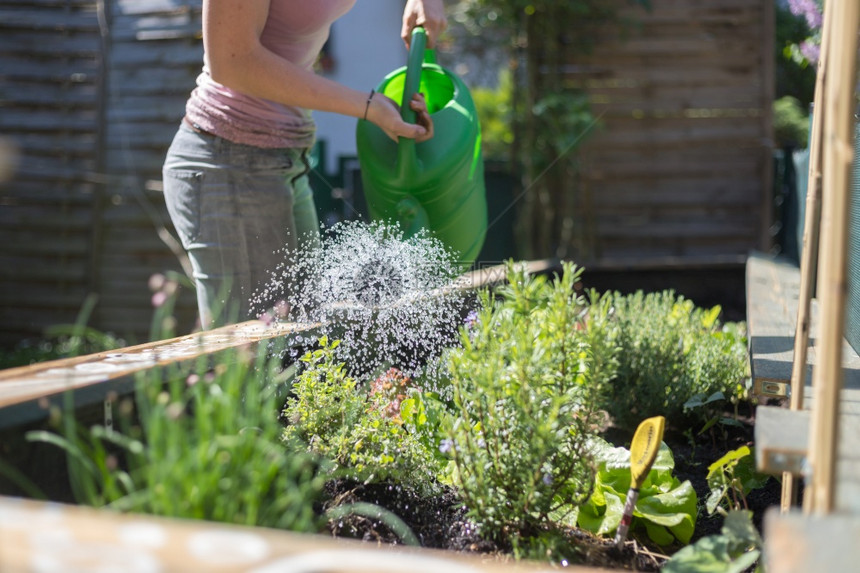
x=521, y=386
x=731, y=478
x=374, y=434
x=197, y=443
x=668, y=351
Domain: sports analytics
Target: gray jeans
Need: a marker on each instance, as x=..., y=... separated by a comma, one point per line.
x=241, y=212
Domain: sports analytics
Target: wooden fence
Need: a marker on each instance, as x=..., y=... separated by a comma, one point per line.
x=680, y=166
x=91, y=91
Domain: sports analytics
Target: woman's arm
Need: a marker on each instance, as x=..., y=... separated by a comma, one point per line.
x=237, y=59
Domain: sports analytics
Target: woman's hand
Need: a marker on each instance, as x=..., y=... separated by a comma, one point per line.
x=385, y=113
x=430, y=14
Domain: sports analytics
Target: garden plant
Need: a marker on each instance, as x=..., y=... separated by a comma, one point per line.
x=512, y=434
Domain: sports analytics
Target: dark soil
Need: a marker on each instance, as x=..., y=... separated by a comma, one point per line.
x=441, y=522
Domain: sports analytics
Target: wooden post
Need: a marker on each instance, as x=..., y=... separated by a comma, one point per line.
x=838, y=152
x=809, y=252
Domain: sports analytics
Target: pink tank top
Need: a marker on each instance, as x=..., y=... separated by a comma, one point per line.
x=295, y=30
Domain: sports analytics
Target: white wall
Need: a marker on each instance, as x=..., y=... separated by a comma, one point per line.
x=365, y=45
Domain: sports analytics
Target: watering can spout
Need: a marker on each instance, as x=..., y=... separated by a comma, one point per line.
x=411, y=216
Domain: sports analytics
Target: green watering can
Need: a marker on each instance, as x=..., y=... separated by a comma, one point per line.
x=437, y=184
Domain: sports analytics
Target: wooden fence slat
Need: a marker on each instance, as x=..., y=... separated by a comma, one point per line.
x=36, y=244
x=50, y=4
x=29, y=193
x=46, y=45
x=44, y=120
x=40, y=19
x=153, y=55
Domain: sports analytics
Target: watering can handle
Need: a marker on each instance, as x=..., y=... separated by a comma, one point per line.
x=407, y=161
x=414, y=64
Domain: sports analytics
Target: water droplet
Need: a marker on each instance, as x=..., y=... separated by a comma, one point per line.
x=380, y=293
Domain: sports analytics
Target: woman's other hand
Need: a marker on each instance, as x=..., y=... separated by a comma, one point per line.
x=430, y=14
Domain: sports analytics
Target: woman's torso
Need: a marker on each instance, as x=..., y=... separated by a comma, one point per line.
x=295, y=30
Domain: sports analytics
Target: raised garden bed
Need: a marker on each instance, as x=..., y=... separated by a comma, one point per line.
x=436, y=516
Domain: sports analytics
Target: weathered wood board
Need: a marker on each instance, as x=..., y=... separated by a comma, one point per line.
x=37, y=536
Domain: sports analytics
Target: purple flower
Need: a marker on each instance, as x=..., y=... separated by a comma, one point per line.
x=810, y=50
x=809, y=9
x=471, y=319
x=446, y=445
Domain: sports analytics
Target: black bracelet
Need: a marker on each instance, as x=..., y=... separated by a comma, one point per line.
x=367, y=105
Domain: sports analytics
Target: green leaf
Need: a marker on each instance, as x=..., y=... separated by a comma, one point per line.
x=739, y=527
x=727, y=459
x=709, y=319
x=659, y=534
x=746, y=472
x=664, y=502
x=702, y=400
x=714, y=498
x=708, y=555
x=411, y=412
x=613, y=515
x=675, y=510
x=734, y=550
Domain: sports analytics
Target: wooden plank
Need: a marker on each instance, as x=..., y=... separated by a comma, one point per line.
x=840, y=103
x=147, y=160
x=51, y=4
x=772, y=291
x=19, y=196
x=54, y=174
x=656, y=110
x=73, y=21
x=781, y=440
x=782, y=435
x=157, y=7
x=179, y=28
x=50, y=121
x=663, y=135
x=99, y=374
x=599, y=75
x=633, y=226
x=101, y=540
x=783, y=445
x=70, y=67
x=31, y=321
x=40, y=217
x=632, y=251
x=164, y=109
x=125, y=56
x=26, y=271
x=795, y=543
x=691, y=192
x=34, y=244
x=52, y=95
x=642, y=168
x=675, y=97
x=143, y=81
x=714, y=58
x=48, y=44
